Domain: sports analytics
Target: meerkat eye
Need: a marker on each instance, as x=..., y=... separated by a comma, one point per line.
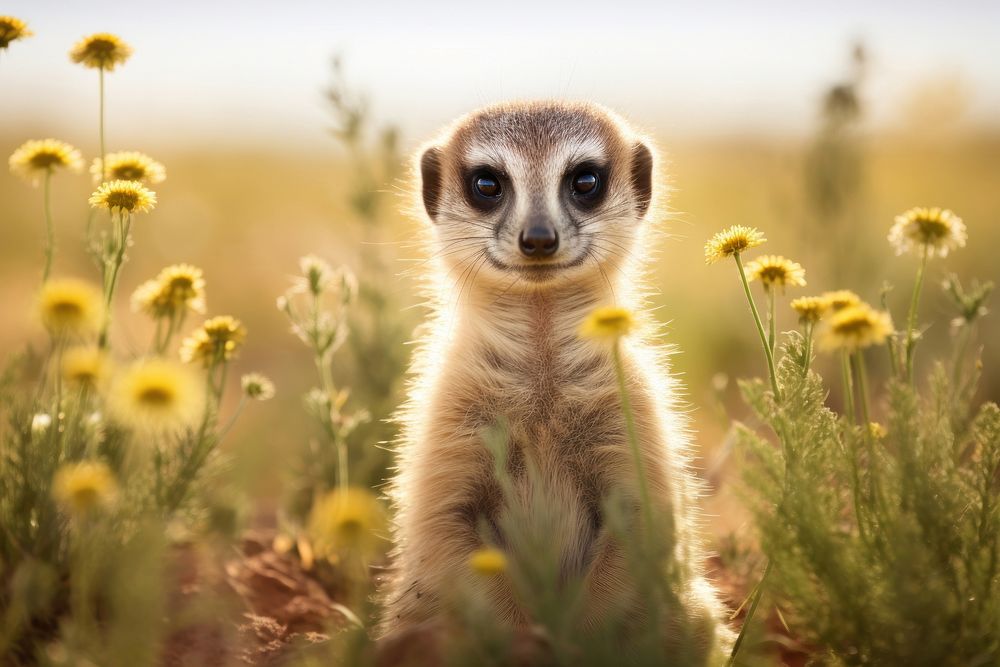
x=586, y=183
x=486, y=185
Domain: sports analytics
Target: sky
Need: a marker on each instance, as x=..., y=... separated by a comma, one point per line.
x=253, y=73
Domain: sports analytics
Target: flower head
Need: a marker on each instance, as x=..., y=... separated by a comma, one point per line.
x=85, y=366
x=841, y=299
x=810, y=308
x=856, y=327
x=488, y=561
x=317, y=273
x=774, y=270
x=607, y=322
x=218, y=339
x=128, y=166
x=12, y=29
x=123, y=196
x=38, y=156
x=935, y=229
x=732, y=241
x=257, y=387
x=70, y=307
x=100, y=51
x=85, y=486
x=175, y=289
x=40, y=423
x=156, y=395
x=348, y=519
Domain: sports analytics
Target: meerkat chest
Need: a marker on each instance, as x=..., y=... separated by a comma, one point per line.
x=551, y=392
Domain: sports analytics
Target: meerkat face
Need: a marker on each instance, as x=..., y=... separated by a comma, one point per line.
x=536, y=193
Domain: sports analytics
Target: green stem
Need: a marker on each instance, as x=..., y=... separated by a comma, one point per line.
x=342, y=468
x=633, y=439
x=963, y=343
x=112, y=266
x=232, y=420
x=807, y=334
x=101, y=96
x=770, y=319
x=911, y=320
x=50, y=236
x=845, y=367
x=760, y=327
x=755, y=597
x=859, y=368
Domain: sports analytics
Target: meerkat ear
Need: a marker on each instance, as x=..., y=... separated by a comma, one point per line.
x=430, y=179
x=642, y=176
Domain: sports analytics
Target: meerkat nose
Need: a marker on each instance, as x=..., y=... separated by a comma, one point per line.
x=539, y=241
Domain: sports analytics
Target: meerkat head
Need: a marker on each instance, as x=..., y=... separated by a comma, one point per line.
x=537, y=193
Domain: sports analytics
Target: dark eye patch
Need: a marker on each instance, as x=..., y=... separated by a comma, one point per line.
x=485, y=187
x=587, y=184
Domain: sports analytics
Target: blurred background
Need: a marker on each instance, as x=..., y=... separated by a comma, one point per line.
x=816, y=124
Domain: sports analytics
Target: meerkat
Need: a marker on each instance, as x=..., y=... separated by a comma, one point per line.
x=538, y=213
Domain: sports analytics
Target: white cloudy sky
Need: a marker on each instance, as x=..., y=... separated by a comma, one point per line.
x=227, y=71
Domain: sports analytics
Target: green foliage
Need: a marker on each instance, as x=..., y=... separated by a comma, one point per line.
x=885, y=543
x=655, y=628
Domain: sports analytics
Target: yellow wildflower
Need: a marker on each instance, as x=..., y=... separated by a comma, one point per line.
x=935, y=229
x=38, y=156
x=123, y=196
x=488, y=561
x=774, y=270
x=856, y=327
x=70, y=307
x=12, y=29
x=156, y=395
x=85, y=486
x=176, y=288
x=731, y=241
x=85, y=366
x=348, y=520
x=100, y=51
x=841, y=299
x=218, y=338
x=810, y=308
x=257, y=387
x=128, y=166
x=607, y=322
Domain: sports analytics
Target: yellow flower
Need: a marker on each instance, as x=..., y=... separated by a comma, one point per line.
x=938, y=230
x=35, y=157
x=856, y=327
x=123, y=196
x=810, y=308
x=12, y=29
x=773, y=270
x=100, y=51
x=348, y=520
x=876, y=430
x=85, y=486
x=219, y=338
x=85, y=366
x=731, y=241
x=607, y=322
x=128, y=166
x=176, y=288
x=488, y=561
x=841, y=299
x=70, y=307
x=257, y=387
x=156, y=395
